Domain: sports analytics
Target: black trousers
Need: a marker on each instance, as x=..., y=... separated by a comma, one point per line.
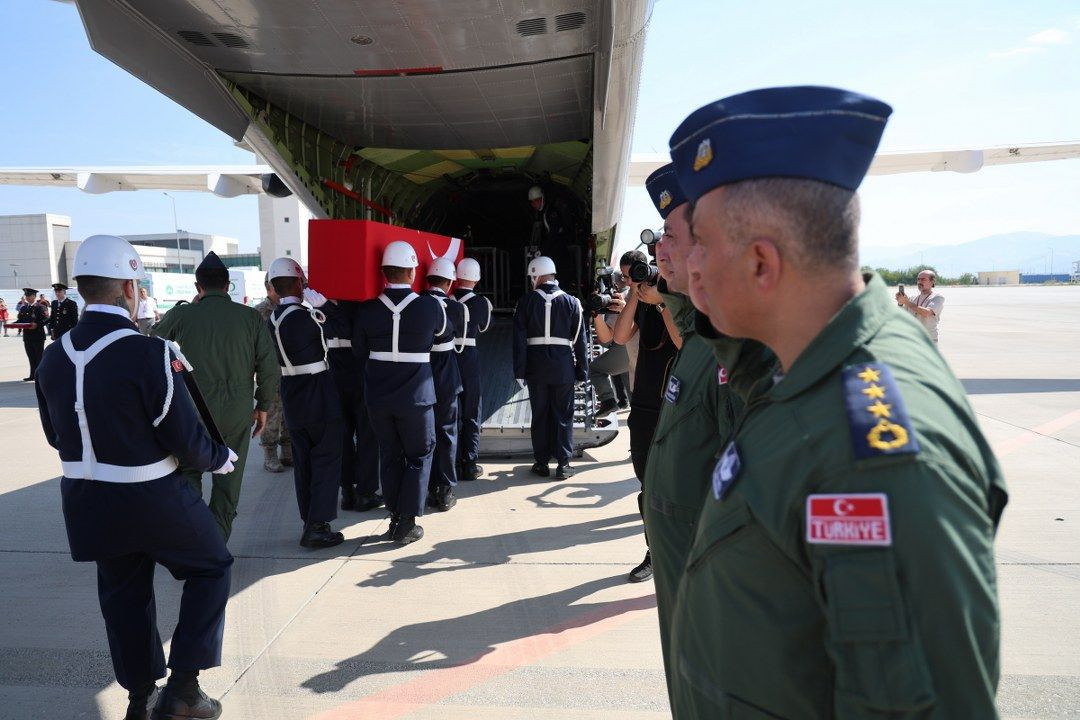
x=552, y=421
x=317, y=469
x=642, y=425
x=359, y=451
x=406, y=438
x=469, y=412
x=34, y=344
x=444, y=459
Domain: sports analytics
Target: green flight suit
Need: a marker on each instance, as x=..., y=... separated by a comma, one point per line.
x=843, y=565
x=230, y=350
x=696, y=419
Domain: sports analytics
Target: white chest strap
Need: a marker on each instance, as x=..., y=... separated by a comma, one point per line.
x=547, y=339
x=288, y=368
x=89, y=468
x=395, y=355
x=465, y=341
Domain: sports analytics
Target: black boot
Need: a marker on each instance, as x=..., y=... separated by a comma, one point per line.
x=444, y=498
x=564, y=471
x=141, y=701
x=394, y=520
x=541, y=469
x=471, y=471
x=605, y=406
x=348, y=498
x=319, y=535
x=643, y=571
x=407, y=531
x=368, y=502
x=183, y=699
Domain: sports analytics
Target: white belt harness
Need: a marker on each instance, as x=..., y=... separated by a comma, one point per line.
x=395, y=355
x=89, y=468
x=452, y=343
x=338, y=343
x=310, y=368
x=547, y=339
x=464, y=342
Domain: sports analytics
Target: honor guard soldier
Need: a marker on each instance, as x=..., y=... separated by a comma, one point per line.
x=63, y=314
x=33, y=335
x=394, y=334
x=843, y=563
x=309, y=401
x=447, y=378
x=477, y=321
x=696, y=416
x=359, y=451
x=549, y=356
x=275, y=434
x=116, y=407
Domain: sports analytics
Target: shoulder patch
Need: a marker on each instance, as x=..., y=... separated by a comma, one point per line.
x=877, y=418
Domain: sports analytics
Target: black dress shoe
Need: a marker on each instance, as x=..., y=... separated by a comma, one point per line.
x=348, y=498
x=141, y=702
x=368, y=502
x=407, y=531
x=643, y=571
x=29, y=379
x=471, y=471
x=541, y=469
x=564, y=471
x=624, y=404
x=185, y=703
x=607, y=405
x=394, y=520
x=319, y=535
x=444, y=498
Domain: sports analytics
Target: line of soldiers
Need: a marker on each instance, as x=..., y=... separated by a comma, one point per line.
x=57, y=318
x=819, y=500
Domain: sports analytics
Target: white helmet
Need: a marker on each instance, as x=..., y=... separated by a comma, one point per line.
x=108, y=256
x=399, y=254
x=535, y=193
x=443, y=268
x=468, y=269
x=541, y=266
x=285, y=267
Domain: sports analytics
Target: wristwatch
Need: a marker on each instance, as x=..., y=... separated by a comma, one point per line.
x=660, y=307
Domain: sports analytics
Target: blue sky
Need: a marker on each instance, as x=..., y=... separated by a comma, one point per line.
x=958, y=74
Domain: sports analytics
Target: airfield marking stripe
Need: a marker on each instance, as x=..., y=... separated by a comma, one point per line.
x=1039, y=432
x=434, y=685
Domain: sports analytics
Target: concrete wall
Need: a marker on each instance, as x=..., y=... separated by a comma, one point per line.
x=32, y=249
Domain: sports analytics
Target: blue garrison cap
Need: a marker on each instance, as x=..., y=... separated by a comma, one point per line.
x=664, y=190
x=816, y=133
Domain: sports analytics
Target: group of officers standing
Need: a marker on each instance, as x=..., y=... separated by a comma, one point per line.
x=819, y=500
x=37, y=321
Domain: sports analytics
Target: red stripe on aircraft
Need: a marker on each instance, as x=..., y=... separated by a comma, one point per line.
x=338, y=187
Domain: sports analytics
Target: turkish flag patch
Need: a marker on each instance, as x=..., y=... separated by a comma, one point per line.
x=855, y=519
x=721, y=374
x=177, y=366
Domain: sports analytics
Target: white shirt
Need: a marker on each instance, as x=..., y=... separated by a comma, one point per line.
x=935, y=302
x=115, y=310
x=147, y=309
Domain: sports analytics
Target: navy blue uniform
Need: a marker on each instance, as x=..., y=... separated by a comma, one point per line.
x=447, y=378
x=33, y=340
x=310, y=406
x=478, y=319
x=359, y=451
x=126, y=505
x=62, y=317
x=550, y=357
x=400, y=392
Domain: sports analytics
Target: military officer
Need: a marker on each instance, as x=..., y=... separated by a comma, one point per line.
x=394, y=334
x=359, y=451
x=64, y=312
x=274, y=435
x=843, y=562
x=234, y=361
x=447, y=378
x=696, y=416
x=115, y=406
x=309, y=400
x=34, y=336
x=549, y=356
x=477, y=321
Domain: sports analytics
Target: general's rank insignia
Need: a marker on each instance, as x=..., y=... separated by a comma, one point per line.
x=877, y=418
x=674, y=386
x=704, y=155
x=727, y=468
x=665, y=199
x=852, y=519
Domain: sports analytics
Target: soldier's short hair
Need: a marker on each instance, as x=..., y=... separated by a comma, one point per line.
x=286, y=286
x=395, y=274
x=817, y=223
x=212, y=278
x=100, y=290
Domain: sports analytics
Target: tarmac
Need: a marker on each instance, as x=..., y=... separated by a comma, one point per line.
x=515, y=604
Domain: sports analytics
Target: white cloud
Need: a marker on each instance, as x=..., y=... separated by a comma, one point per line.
x=1053, y=36
x=1017, y=51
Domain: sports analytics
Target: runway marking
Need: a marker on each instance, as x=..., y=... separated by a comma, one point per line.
x=432, y=686
x=1039, y=432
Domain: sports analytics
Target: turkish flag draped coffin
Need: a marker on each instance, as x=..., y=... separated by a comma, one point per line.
x=345, y=256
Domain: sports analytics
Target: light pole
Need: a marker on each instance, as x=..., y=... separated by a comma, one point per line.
x=1051, y=262
x=176, y=227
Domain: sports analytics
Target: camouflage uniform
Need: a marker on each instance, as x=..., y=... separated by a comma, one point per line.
x=275, y=433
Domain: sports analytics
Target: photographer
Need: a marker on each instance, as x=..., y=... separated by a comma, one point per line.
x=613, y=370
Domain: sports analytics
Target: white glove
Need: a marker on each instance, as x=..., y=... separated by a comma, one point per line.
x=228, y=466
x=520, y=382
x=314, y=298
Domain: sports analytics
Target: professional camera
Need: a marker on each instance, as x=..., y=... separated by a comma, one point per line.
x=604, y=292
x=641, y=272
x=651, y=237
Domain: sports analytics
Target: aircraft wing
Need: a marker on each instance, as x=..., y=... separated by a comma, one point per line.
x=892, y=163
x=224, y=181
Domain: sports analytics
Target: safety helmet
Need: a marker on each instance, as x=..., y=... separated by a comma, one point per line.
x=541, y=266
x=468, y=269
x=535, y=193
x=399, y=254
x=443, y=268
x=285, y=267
x=108, y=256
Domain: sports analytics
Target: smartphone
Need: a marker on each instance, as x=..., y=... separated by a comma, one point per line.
x=900, y=288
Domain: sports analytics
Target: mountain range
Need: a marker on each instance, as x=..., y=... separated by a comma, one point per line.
x=1028, y=252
